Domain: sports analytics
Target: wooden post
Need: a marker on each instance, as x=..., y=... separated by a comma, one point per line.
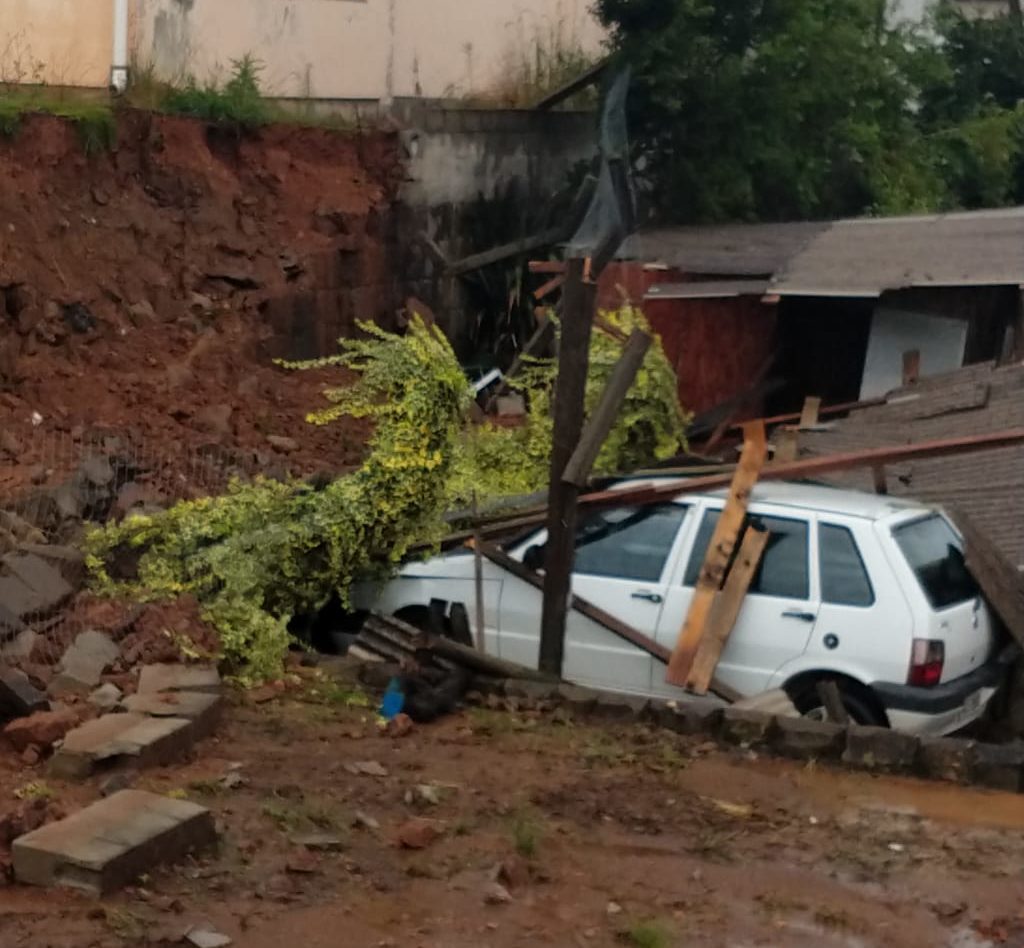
x=570, y=389
x=911, y=366
x=726, y=609
x=478, y=581
x=719, y=554
x=786, y=444
x=881, y=483
x=577, y=471
x=809, y=415
x=832, y=701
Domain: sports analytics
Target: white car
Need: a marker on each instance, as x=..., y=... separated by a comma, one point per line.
x=861, y=589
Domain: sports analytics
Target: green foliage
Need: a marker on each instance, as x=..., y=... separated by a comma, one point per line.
x=648, y=934
x=94, y=122
x=266, y=550
x=239, y=101
x=500, y=462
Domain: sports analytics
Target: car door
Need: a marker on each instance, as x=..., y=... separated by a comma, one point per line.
x=778, y=613
x=623, y=557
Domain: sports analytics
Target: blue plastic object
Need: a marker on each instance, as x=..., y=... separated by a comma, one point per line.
x=394, y=700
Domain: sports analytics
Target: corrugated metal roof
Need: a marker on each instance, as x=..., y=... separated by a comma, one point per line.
x=706, y=290
x=988, y=486
x=867, y=256
x=727, y=250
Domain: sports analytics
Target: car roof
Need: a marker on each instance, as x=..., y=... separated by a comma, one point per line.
x=804, y=496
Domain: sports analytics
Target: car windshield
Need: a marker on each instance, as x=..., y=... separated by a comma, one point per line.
x=935, y=554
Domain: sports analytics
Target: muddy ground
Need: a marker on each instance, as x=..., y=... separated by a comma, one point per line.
x=600, y=836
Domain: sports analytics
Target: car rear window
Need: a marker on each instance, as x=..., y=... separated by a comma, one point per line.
x=935, y=554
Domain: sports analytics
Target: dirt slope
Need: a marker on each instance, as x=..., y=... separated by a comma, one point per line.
x=146, y=290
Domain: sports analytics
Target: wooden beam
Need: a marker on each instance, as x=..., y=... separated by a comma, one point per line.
x=832, y=702
x=583, y=81
x=515, y=248
x=719, y=555
x=602, y=419
x=548, y=287
x=811, y=412
x=726, y=610
x=879, y=479
x=604, y=619
x=840, y=408
x=578, y=306
x=911, y=366
x=546, y=266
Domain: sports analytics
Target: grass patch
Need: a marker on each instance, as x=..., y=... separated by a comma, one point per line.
x=36, y=790
x=648, y=934
x=302, y=816
x=526, y=834
x=94, y=121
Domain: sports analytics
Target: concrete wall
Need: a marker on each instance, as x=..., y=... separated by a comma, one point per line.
x=60, y=42
x=330, y=49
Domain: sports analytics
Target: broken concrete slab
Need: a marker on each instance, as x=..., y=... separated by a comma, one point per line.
x=688, y=717
x=116, y=738
x=112, y=842
x=66, y=559
x=746, y=727
x=46, y=582
x=804, y=738
x=19, y=601
x=202, y=709
x=18, y=697
x=167, y=677
x=84, y=663
x=878, y=748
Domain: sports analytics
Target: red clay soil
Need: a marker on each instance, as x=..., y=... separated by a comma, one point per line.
x=135, y=286
x=598, y=836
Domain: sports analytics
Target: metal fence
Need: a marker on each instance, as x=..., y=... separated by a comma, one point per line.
x=51, y=626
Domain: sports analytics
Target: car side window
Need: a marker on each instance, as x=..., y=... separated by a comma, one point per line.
x=783, y=571
x=844, y=579
x=628, y=542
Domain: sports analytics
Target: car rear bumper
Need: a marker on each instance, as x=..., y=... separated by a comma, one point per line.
x=950, y=696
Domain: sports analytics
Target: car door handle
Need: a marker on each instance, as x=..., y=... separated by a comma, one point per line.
x=797, y=614
x=649, y=596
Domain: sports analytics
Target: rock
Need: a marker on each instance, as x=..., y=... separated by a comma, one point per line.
x=514, y=872
x=200, y=303
x=946, y=758
x=42, y=728
x=96, y=470
x=20, y=647
x=367, y=768
x=100, y=196
x=214, y=419
x=418, y=834
x=496, y=894
x=10, y=445
x=424, y=795
x=303, y=863
x=118, y=738
x=142, y=313
x=401, y=725
x=613, y=908
x=17, y=695
x=10, y=624
x=133, y=496
x=68, y=561
x=203, y=936
x=78, y=317
x=83, y=664
x=47, y=587
x=177, y=677
x=106, y=697
x=115, y=783
x=365, y=821
x=320, y=842
x=283, y=444
x=745, y=727
x=31, y=755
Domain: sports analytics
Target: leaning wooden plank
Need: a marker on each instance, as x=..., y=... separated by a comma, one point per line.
x=1002, y=584
x=726, y=610
x=603, y=418
x=810, y=413
x=719, y=555
x=604, y=619
x=515, y=248
x=548, y=287
x=479, y=662
x=584, y=80
x=546, y=266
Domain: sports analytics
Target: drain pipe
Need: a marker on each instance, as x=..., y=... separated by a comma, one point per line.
x=119, y=62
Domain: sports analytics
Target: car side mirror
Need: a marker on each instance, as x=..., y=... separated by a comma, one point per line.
x=533, y=558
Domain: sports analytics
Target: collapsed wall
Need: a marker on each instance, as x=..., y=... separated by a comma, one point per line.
x=145, y=291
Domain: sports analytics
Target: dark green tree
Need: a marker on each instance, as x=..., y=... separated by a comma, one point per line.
x=773, y=109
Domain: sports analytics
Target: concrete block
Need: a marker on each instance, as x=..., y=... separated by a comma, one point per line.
x=17, y=695
x=169, y=677
x=531, y=690
x=615, y=707
x=746, y=727
x=946, y=758
x=878, y=748
x=112, y=842
x=577, y=698
x=1000, y=766
x=83, y=664
x=688, y=717
x=203, y=710
x=805, y=739
x=115, y=738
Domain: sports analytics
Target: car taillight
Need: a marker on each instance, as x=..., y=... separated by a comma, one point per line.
x=926, y=660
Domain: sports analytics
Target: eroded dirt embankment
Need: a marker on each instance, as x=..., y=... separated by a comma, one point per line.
x=147, y=290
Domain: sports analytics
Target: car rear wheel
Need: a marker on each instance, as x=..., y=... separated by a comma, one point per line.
x=859, y=703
